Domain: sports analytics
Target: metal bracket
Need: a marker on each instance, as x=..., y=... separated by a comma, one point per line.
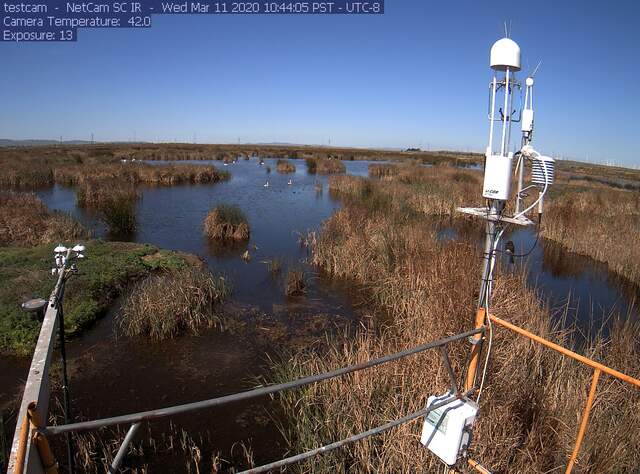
x=485, y=213
x=452, y=375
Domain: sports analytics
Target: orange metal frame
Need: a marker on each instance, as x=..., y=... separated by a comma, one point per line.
x=30, y=425
x=598, y=369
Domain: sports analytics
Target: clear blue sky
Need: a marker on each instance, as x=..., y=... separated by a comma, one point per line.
x=415, y=76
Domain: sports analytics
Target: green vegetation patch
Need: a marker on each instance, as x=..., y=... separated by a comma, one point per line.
x=108, y=269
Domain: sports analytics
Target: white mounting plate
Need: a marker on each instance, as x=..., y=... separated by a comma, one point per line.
x=484, y=213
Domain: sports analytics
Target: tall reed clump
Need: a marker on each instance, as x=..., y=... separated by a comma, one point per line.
x=382, y=171
x=180, y=174
x=285, y=166
x=433, y=191
x=139, y=173
x=173, y=302
x=533, y=397
x=325, y=166
x=226, y=222
x=26, y=221
x=601, y=223
x=114, y=203
x=25, y=174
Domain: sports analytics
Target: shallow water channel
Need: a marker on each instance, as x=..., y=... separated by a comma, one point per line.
x=111, y=376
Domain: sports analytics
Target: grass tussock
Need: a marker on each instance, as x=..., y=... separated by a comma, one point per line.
x=226, y=222
x=114, y=203
x=602, y=223
x=295, y=283
x=26, y=221
x=533, y=399
x=173, y=302
x=325, y=166
x=383, y=171
x=274, y=265
x=285, y=166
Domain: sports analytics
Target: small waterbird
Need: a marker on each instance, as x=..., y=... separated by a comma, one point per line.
x=290, y=183
x=266, y=185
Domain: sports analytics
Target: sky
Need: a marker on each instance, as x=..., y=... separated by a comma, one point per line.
x=416, y=76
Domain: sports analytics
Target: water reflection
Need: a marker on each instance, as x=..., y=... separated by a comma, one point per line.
x=172, y=217
x=593, y=294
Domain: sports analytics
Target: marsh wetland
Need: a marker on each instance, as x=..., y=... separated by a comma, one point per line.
x=379, y=261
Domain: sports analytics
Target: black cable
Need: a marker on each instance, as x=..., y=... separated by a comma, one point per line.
x=535, y=243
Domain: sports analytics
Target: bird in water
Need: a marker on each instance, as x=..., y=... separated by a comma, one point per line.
x=290, y=183
x=266, y=185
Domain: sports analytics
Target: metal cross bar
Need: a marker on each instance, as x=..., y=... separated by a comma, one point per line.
x=350, y=439
x=258, y=392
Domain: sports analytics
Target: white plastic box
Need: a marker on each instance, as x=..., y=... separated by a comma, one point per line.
x=497, y=177
x=447, y=430
x=527, y=120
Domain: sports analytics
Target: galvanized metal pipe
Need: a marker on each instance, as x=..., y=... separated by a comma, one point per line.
x=258, y=392
x=115, y=465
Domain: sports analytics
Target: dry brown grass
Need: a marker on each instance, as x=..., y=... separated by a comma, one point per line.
x=295, y=284
x=382, y=171
x=26, y=221
x=435, y=191
x=24, y=175
x=285, y=166
x=602, y=223
x=325, y=166
x=114, y=203
x=33, y=168
x=183, y=151
x=173, y=302
x=94, y=452
x=226, y=222
x=139, y=173
x=531, y=405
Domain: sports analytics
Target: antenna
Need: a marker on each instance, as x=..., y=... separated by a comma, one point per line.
x=532, y=75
